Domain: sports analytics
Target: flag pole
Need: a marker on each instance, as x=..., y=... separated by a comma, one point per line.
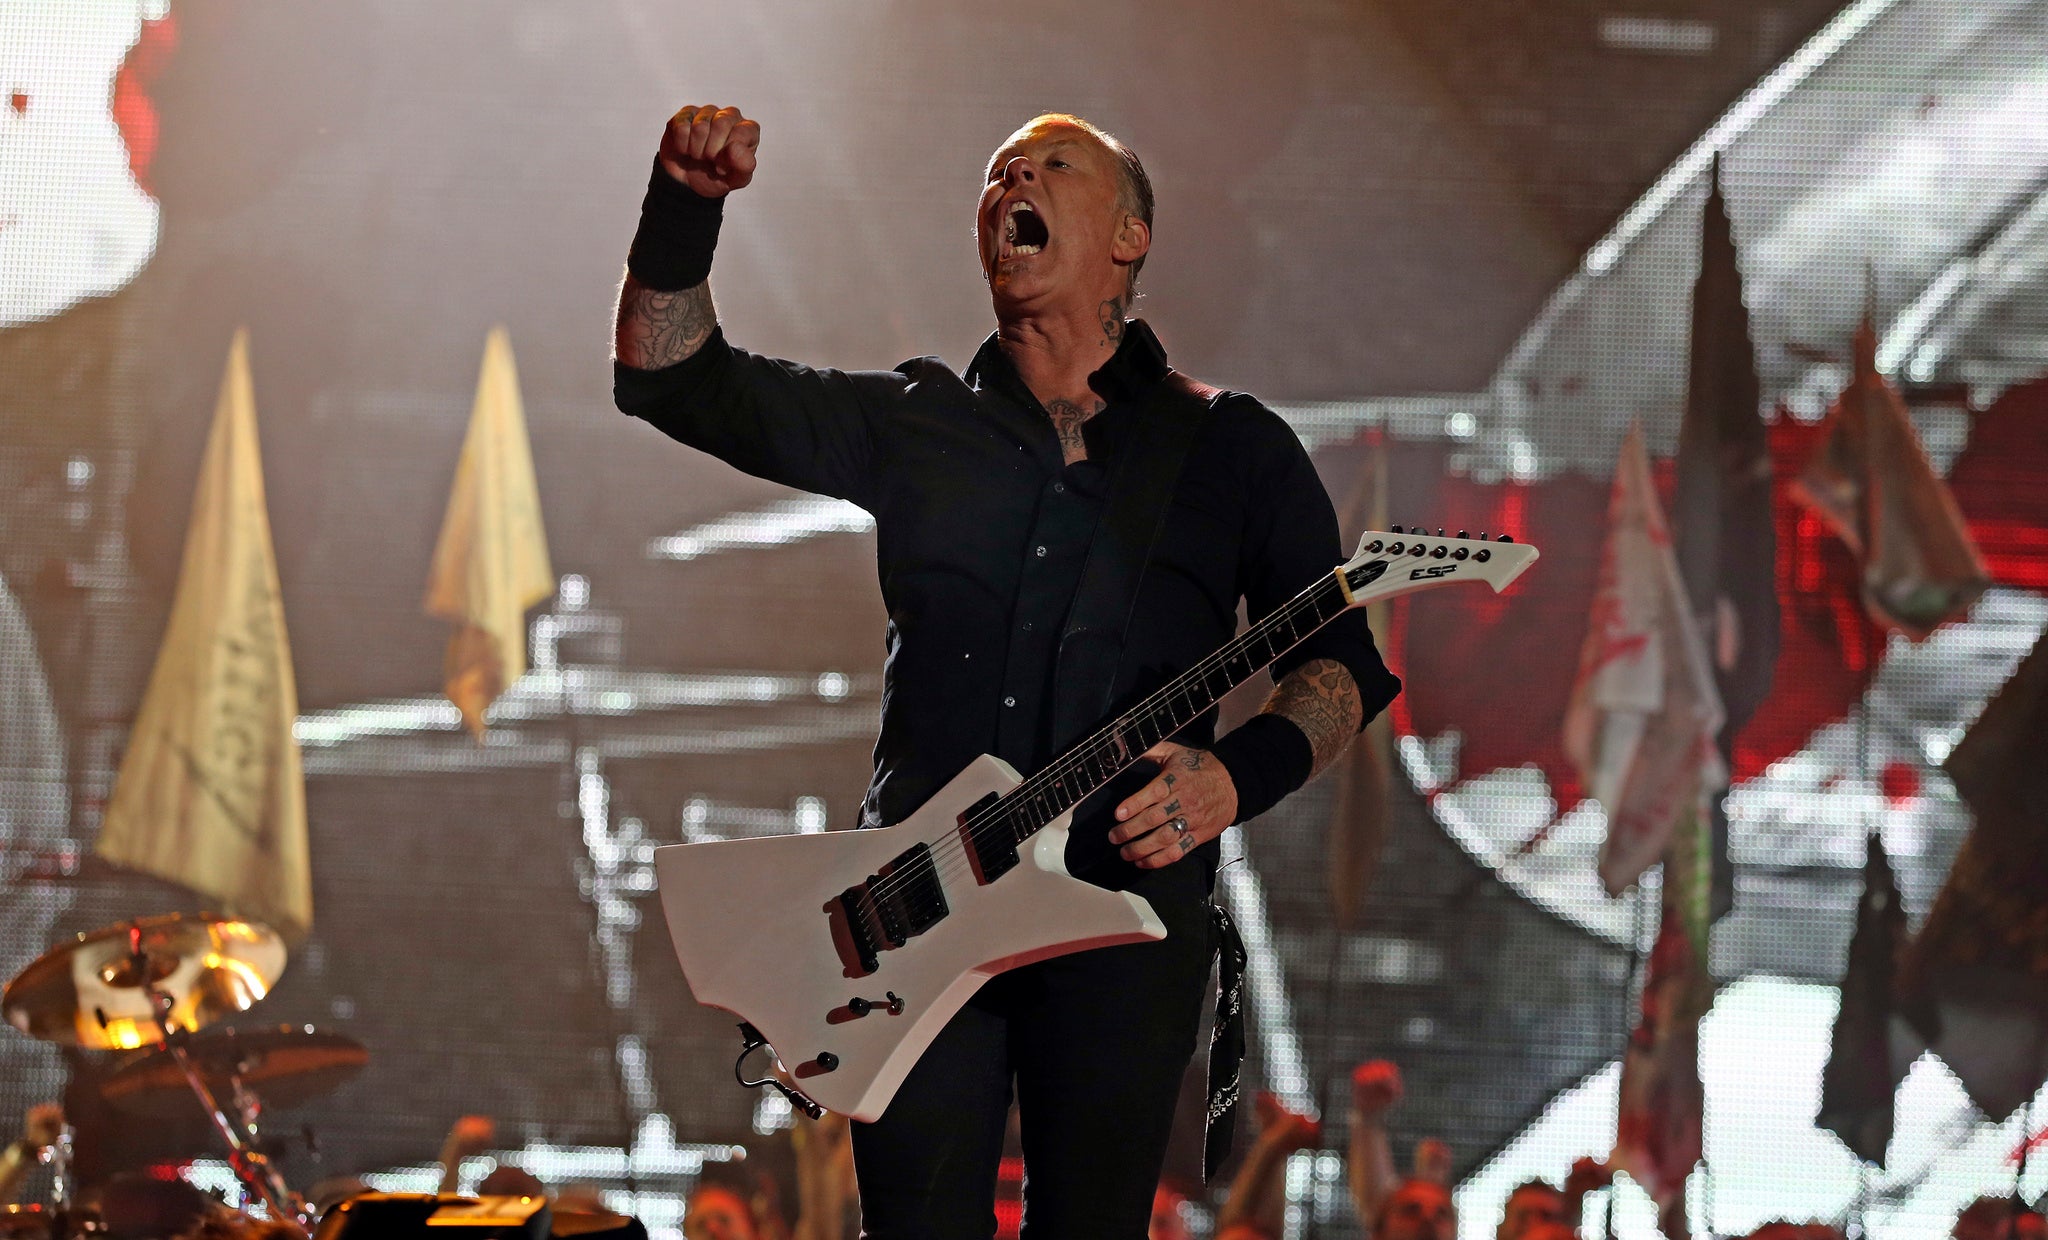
x=1332, y=1074
x=1628, y=1022
x=1873, y=827
x=572, y=749
x=2019, y=1172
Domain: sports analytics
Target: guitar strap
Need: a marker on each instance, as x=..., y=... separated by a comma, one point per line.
x=1140, y=490
x=1091, y=650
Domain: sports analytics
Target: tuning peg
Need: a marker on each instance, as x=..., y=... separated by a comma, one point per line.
x=1395, y=529
x=1439, y=531
x=1482, y=536
x=1505, y=538
x=1462, y=534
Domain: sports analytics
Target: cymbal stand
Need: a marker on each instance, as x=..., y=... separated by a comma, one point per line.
x=58, y=1157
x=258, y=1174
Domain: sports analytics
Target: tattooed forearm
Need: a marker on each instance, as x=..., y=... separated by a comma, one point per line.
x=658, y=329
x=1320, y=698
x=1067, y=419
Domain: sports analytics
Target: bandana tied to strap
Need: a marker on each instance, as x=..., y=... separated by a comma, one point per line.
x=1226, y=1043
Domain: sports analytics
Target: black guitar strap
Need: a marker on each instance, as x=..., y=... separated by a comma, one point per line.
x=1140, y=490
x=1091, y=650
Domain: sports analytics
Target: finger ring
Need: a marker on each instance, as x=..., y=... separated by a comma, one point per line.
x=1179, y=825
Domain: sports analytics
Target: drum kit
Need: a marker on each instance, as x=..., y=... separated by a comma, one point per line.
x=155, y=992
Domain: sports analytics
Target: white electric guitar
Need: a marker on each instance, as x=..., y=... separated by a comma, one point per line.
x=845, y=953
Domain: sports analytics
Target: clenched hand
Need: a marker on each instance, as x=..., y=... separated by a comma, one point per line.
x=711, y=149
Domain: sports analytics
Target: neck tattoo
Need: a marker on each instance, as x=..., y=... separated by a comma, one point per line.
x=1111, y=313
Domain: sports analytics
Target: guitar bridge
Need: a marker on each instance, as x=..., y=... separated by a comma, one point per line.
x=901, y=900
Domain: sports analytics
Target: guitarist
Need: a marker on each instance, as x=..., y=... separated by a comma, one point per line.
x=986, y=487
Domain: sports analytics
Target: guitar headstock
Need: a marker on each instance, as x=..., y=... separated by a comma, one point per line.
x=1396, y=562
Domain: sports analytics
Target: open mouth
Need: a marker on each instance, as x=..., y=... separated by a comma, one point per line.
x=1024, y=231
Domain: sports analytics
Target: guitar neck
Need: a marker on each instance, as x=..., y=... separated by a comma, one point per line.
x=1117, y=745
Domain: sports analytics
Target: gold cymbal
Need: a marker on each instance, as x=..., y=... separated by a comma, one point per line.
x=94, y=991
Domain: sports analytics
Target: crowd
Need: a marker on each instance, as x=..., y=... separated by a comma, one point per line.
x=740, y=1201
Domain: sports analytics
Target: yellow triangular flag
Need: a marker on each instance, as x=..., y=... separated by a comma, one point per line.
x=492, y=561
x=211, y=794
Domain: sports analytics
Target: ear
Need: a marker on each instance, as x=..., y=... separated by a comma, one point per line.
x=1133, y=239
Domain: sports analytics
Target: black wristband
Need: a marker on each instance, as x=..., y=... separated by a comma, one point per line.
x=1268, y=756
x=678, y=232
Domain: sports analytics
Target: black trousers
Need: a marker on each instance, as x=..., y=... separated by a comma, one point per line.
x=1095, y=1043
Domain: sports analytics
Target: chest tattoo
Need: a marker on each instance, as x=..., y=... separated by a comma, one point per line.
x=1067, y=419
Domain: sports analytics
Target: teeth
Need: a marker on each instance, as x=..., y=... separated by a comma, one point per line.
x=1010, y=247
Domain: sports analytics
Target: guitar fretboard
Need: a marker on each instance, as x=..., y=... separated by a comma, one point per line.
x=1101, y=757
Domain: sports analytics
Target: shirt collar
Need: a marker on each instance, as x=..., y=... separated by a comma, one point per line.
x=1138, y=363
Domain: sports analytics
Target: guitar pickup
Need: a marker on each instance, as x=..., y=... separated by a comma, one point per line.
x=992, y=851
x=901, y=900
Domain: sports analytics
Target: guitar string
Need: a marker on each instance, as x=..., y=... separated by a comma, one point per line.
x=979, y=827
x=957, y=862
x=993, y=821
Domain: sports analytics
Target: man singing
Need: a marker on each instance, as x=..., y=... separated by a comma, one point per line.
x=987, y=489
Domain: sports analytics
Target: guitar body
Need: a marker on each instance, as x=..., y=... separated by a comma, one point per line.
x=849, y=951
x=757, y=928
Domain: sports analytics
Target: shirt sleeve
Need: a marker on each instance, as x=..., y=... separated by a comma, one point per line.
x=813, y=429
x=1291, y=540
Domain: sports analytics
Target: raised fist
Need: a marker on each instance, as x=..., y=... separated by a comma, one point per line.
x=472, y=1134
x=1375, y=1087
x=711, y=149
x=1286, y=1129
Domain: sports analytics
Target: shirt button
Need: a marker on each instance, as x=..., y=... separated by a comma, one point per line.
x=1028, y=626
x=1039, y=551
x=1059, y=488
x=1009, y=701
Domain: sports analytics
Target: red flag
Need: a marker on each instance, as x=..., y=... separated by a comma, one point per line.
x=1872, y=483
x=1659, y=1134
x=1644, y=713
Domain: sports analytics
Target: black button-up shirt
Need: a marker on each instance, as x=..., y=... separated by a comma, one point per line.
x=982, y=530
